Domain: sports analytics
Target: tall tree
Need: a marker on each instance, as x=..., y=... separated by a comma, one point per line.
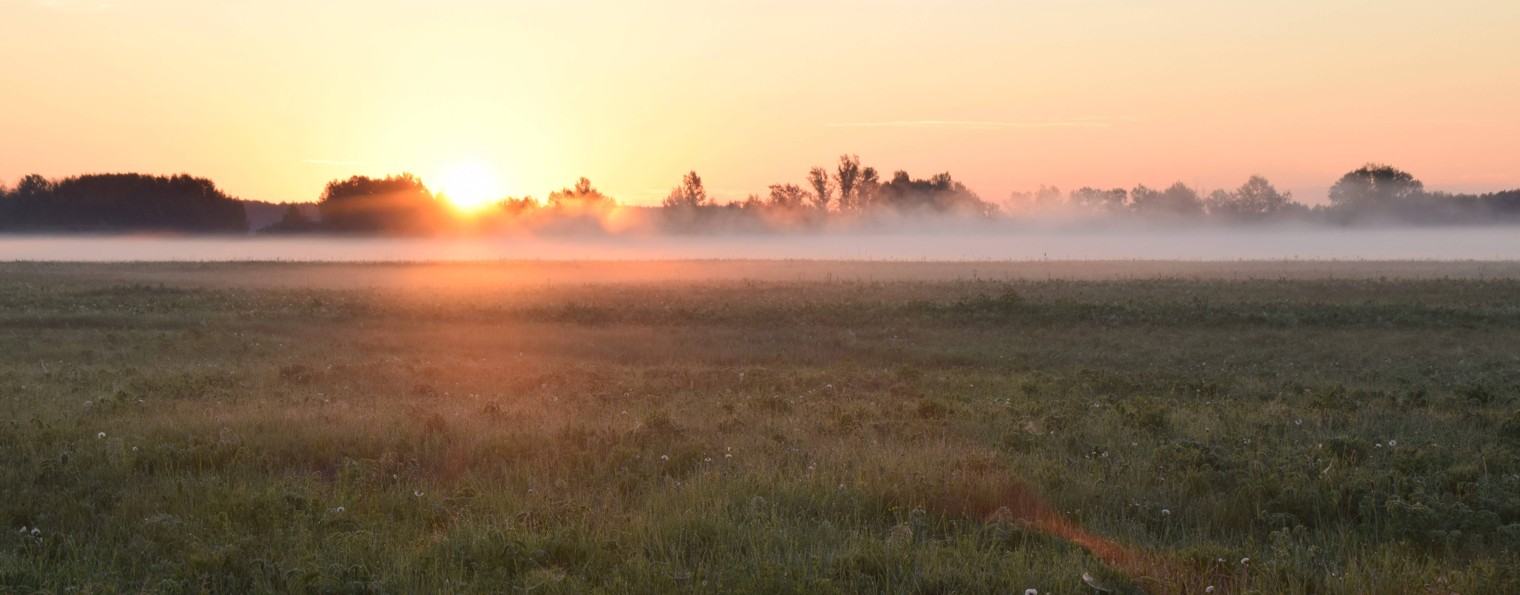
x=689, y=195
x=823, y=187
x=867, y=189
x=847, y=174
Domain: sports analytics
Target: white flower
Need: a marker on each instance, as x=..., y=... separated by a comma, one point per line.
x=417, y=493
x=339, y=510
x=1209, y=589
x=23, y=530
x=36, y=532
x=134, y=449
x=728, y=455
x=1166, y=512
x=1245, y=560
x=1031, y=592
x=664, y=457
x=1392, y=443
x=100, y=435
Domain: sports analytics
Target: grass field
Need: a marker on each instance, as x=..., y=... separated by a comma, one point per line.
x=760, y=427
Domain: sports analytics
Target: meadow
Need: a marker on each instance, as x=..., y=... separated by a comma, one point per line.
x=801, y=427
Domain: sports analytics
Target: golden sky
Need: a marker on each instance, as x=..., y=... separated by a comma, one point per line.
x=272, y=99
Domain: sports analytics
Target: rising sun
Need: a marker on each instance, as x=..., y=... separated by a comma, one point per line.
x=470, y=187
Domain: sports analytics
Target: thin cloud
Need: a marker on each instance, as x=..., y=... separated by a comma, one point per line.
x=329, y=162
x=976, y=124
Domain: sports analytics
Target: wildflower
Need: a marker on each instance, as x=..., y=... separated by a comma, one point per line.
x=134, y=449
x=1244, y=561
x=1166, y=512
x=1031, y=592
x=417, y=493
x=340, y=510
x=1209, y=589
x=664, y=457
x=36, y=532
x=100, y=435
x=706, y=459
x=23, y=530
x=1393, y=443
x=1298, y=422
x=728, y=455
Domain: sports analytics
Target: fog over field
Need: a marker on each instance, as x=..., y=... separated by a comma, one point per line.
x=1208, y=244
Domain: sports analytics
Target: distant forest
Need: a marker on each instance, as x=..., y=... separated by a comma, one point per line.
x=847, y=196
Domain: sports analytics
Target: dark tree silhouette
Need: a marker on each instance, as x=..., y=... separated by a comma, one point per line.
x=847, y=175
x=938, y=194
x=867, y=189
x=689, y=195
x=1255, y=200
x=1177, y=200
x=398, y=204
x=1374, y=185
x=823, y=187
x=122, y=202
x=789, y=197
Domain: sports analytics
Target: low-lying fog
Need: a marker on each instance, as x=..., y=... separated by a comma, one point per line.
x=1271, y=243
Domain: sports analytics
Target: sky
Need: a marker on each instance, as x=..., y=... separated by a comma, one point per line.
x=273, y=99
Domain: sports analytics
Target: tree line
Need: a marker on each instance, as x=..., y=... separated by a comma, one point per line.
x=848, y=194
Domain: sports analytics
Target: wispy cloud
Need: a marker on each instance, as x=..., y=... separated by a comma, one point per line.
x=977, y=124
x=330, y=162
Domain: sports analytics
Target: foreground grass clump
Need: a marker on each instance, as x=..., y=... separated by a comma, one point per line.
x=1162, y=434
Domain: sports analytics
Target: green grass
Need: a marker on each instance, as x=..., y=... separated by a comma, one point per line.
x=1345, y=433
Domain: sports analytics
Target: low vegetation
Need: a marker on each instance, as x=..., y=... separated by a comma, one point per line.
x=1332, y=434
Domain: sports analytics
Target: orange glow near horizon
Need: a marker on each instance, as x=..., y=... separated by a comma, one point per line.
x=274, y=99
x=469, y=187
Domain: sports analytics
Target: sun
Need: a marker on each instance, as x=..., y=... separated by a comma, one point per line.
x=470, y=186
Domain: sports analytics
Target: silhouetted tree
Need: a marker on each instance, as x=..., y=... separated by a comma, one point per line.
x=1100, y=201
x=1374, y=185
x=847, y=174
x=394, y=204
x=823, y=187
x=867, y=189
x=689, y=195
x=580, y=201
x=1255, y=200
x=789, y=197
x=1177, y=200
x=122, y=202
x=938, y=194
